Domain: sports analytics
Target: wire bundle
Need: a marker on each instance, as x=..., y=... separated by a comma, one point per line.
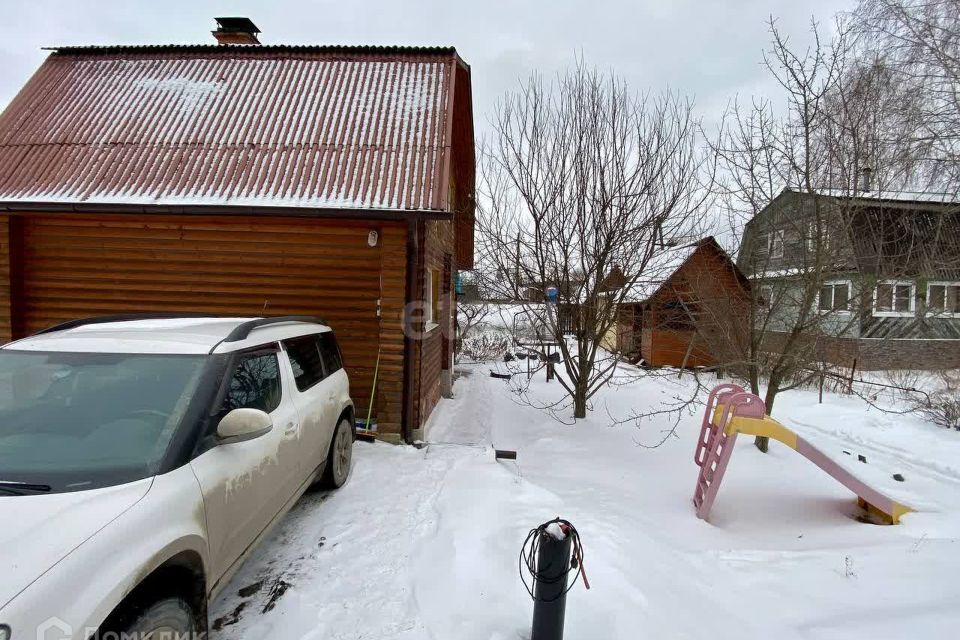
x=530, y=551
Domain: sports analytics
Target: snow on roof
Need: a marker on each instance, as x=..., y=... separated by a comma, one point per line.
x=663, y=264
x=897, y=196
x=325, y=127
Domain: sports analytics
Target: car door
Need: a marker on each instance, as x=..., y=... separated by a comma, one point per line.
x=338, y=384
x=313, y=398
x=247, y=484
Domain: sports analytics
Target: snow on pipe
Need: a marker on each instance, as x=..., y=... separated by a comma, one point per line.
x=546, y=556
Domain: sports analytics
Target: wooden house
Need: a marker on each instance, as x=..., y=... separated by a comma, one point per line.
x=887, y=273
x=690, y=302
x=239, y=179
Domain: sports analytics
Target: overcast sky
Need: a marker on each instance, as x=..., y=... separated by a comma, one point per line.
x=708, y=49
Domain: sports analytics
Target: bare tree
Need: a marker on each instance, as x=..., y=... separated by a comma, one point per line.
x=918, y=43
x=471, y=315
x=801, y=170
x=798, y=186
x=583, y=185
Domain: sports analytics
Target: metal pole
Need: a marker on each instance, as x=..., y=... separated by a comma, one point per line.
x=550, y=587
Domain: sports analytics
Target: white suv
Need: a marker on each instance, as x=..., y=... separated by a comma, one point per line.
x=142, y=460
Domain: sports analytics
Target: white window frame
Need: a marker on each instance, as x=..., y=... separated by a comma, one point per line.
x=941, y=283
x=766, y=294
x=812, y=237
x=771, y=243
x=896, y=314
x=832, y=283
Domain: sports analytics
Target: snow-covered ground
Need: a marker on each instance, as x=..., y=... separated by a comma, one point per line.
x=424, y=543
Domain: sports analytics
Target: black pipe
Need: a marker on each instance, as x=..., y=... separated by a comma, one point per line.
x=550, y=586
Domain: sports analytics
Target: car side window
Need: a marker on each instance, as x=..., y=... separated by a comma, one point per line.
x=255, y=384
x=304, y=354
x=330, y=353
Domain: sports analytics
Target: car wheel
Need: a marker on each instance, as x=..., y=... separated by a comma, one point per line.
x=167, y=618
x=339, y=457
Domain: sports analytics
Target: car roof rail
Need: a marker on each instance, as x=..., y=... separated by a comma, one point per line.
x=242, y=331
x=120, y=317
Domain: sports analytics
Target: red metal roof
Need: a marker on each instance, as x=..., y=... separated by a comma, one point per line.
x=323, y=127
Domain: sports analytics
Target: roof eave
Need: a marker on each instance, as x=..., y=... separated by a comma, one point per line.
x=18, y=206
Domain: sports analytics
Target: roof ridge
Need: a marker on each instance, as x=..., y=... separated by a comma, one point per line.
x=254, y=48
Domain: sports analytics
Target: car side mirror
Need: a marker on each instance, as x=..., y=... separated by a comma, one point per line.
x=243, y=424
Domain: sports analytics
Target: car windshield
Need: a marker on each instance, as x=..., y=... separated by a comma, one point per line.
x=74, y=421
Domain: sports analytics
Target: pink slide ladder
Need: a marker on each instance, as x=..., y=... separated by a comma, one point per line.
x=714, y=446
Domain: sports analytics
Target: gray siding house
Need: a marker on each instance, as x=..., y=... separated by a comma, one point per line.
x=879, y=274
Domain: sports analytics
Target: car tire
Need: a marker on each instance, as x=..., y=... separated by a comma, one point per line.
x=339, y=457
x=171, y=617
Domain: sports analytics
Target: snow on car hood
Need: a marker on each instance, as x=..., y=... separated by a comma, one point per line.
x=37, y=531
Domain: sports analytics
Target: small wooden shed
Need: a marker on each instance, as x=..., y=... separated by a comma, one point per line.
x=691, y=302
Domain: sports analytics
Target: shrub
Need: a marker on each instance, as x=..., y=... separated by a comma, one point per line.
x=481, y=346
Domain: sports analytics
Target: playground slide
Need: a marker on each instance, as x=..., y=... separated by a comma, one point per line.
x=729, y=412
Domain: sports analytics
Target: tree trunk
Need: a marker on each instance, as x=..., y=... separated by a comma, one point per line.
x=754, y=380
x=580, y=403
x=763, y=442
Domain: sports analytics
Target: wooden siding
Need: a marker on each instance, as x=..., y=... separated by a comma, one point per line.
x=903, y=240
x=438, y=245
x=708, y=286
x=393, y=269
x=82, y=265
x=669, y=348
x=463, y=170
x=6, y=320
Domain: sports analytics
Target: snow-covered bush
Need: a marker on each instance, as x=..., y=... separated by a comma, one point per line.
x=481, y=345
x=935, y=395
x=942, y=407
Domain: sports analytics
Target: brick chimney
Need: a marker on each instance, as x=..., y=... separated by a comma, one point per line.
x=236, y=31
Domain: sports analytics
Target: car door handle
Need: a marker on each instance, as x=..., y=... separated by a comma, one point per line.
x=291, y=428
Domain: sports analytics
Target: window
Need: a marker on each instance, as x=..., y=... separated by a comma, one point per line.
x=825, y=236
x=834, y=296
x=766, y=296
x=431, y=301
x=775, y=244
x=78, y=421
x=330, y=353
x=943, y=298
x=306, y=361
x=894, y=298
x=255, y=384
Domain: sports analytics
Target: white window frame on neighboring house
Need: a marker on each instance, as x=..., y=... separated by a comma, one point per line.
x=766, y=296
x=833, y=284
x=946, y=284
x=893, y=292
x=812, y=237
x=772, y=243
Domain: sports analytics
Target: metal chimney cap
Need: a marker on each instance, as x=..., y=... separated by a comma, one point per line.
x=236, y=25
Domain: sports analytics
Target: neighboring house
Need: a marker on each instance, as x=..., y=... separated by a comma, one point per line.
x=245, y=180
x=691, y=302
x=889, y=284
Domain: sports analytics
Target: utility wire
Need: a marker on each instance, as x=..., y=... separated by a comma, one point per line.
x=529, y=553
